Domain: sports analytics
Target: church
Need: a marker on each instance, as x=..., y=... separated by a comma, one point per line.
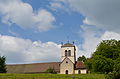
x=68, y=64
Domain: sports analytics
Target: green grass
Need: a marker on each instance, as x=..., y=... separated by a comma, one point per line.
x=51, y=76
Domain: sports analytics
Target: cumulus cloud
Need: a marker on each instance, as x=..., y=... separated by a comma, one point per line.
x=92, y=37
x=22, y=14
x=101, y=13
x=18, y=50
x=104, y=14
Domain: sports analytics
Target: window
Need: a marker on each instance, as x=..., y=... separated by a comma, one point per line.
x=66, y=72
x=69, y=52
x=79, y=72
x=66, y=61
x=65, y=52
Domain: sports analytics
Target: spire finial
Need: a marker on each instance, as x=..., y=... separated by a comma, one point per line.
x=73, y=42
x=61, y=43
x=68, y=39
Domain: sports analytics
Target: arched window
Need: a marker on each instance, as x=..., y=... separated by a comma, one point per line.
x=65, y=52
x=66, y=72
x=66, y=61
x=69, y=52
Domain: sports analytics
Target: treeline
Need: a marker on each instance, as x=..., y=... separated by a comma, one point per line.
x=2, y=64
x=106, y=59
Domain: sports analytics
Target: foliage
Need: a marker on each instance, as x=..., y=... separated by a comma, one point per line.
x=89, y=64
x=51, y=70
x=106, y=59
x=117, y=65
x=102, y=64
x=116, y=71
x=2, y=64
x=109, y=49
x=82, y=58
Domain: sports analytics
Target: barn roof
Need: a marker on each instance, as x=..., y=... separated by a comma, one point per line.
x=39, y=67
x=33, y=68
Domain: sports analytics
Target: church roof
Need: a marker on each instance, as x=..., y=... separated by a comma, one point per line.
x=33, y=68
x=68, y=45
x=80, y=65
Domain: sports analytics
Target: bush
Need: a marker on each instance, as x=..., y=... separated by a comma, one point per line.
x=113, y=76
x=51, y=70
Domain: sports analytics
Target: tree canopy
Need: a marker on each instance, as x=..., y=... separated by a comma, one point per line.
x=109, y=49
x=2, y=64
x=82, y=58
x=106, y=58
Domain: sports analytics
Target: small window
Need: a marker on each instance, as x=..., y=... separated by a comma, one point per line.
x=66, y=61
x=69, y=52
x=65, y=52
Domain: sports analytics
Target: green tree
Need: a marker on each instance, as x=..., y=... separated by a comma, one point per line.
x=82, y=58
x=2, y=64
x=102, y=64
x=89, y=64
x=106, y=57
x=109, y=49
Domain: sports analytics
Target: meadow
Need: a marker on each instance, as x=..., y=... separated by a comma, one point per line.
x=51, y=76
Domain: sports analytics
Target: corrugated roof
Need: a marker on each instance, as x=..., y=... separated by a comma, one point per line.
x=33, y=68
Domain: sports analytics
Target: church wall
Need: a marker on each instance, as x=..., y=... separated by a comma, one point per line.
x=67, y=66
x=72, y=58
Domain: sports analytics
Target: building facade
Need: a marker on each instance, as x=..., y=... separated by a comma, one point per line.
x=69, y=65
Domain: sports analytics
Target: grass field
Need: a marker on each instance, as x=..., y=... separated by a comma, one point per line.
x=51, y=76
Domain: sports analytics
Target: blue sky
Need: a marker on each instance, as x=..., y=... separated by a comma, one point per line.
x=67, y=26
x=34, y=29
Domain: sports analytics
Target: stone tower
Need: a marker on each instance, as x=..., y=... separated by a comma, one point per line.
x=68, y=51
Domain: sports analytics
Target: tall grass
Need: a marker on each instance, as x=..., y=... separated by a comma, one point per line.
x=51, y=76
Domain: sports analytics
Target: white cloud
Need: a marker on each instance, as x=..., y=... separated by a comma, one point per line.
x=22, y=14
x=18, y=50
x=104, y=14
x=59, y=6
x=92, y=37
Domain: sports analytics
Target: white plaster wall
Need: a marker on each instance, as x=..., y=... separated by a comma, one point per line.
x=76, y=71
x=83, y=71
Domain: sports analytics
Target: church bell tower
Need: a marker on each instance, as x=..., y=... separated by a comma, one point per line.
x=68, y=51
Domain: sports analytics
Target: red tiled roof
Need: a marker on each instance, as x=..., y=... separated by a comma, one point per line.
x=80, y=65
